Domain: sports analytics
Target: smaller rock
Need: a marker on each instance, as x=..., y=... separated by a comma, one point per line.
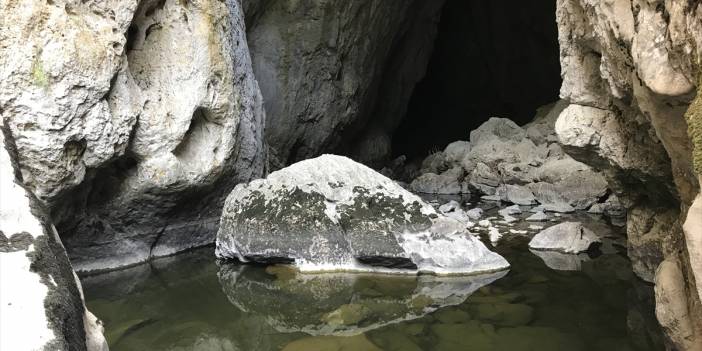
x=516, y=194
x=434, y=163
x=614, y=208
x=456, y=151
x=511, y=210
x=499, y=128
x=474, y=213
x=597, y=208
x=494, y=234
x=495, y=198
x=546, y=193
x=536, y=227
x=431, y=183
x=507, y=213
x=567, y=237
x=450, y=206
x=507, y=219
x=558, y=207
x=483, y=179
x=536, y=209
x=538, y=217
x=347, y=314
x=518, y=173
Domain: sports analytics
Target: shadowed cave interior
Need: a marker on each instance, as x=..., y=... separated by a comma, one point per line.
x=490, y=59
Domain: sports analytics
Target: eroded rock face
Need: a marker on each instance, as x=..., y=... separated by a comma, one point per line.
x=56, y=92
x=629, y=72
x=42, y=304
x=132, y=122
x=330, y=213
x=334, y=70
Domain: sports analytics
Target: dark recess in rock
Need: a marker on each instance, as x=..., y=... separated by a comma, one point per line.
x=491, y=58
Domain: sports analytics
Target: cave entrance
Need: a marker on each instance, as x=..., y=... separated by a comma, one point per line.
x=492, y=58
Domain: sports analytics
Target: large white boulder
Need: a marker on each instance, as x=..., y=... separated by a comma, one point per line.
x=331, y=213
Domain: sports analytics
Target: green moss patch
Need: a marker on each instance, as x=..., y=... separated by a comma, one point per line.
x=694, y=128
x=39, y=76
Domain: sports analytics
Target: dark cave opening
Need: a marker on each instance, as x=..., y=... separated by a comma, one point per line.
x=490, y=59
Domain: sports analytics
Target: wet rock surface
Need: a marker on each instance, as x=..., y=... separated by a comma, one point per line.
x=331, y=213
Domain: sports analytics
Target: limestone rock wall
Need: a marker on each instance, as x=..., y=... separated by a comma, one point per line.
x=132, y=120
x=630, y=69
x=332, y=70
x=41, y=299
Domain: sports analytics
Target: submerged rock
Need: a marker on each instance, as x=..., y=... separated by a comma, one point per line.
x=332, y=343
x=567, y=237
x=330, y=213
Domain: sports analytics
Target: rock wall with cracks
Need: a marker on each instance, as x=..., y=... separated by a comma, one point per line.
x=629, y=71
x=132, y=120
x=336, y=75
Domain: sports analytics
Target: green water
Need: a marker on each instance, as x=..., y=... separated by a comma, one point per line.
x=189, y=302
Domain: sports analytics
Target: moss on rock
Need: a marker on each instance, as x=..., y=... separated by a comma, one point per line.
x=694, y=128
x=38, y=74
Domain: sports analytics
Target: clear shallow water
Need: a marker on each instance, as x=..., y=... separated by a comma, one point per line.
x=189, y=302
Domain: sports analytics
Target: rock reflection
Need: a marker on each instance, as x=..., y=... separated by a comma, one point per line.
x=341, y=304
x=561, y=261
